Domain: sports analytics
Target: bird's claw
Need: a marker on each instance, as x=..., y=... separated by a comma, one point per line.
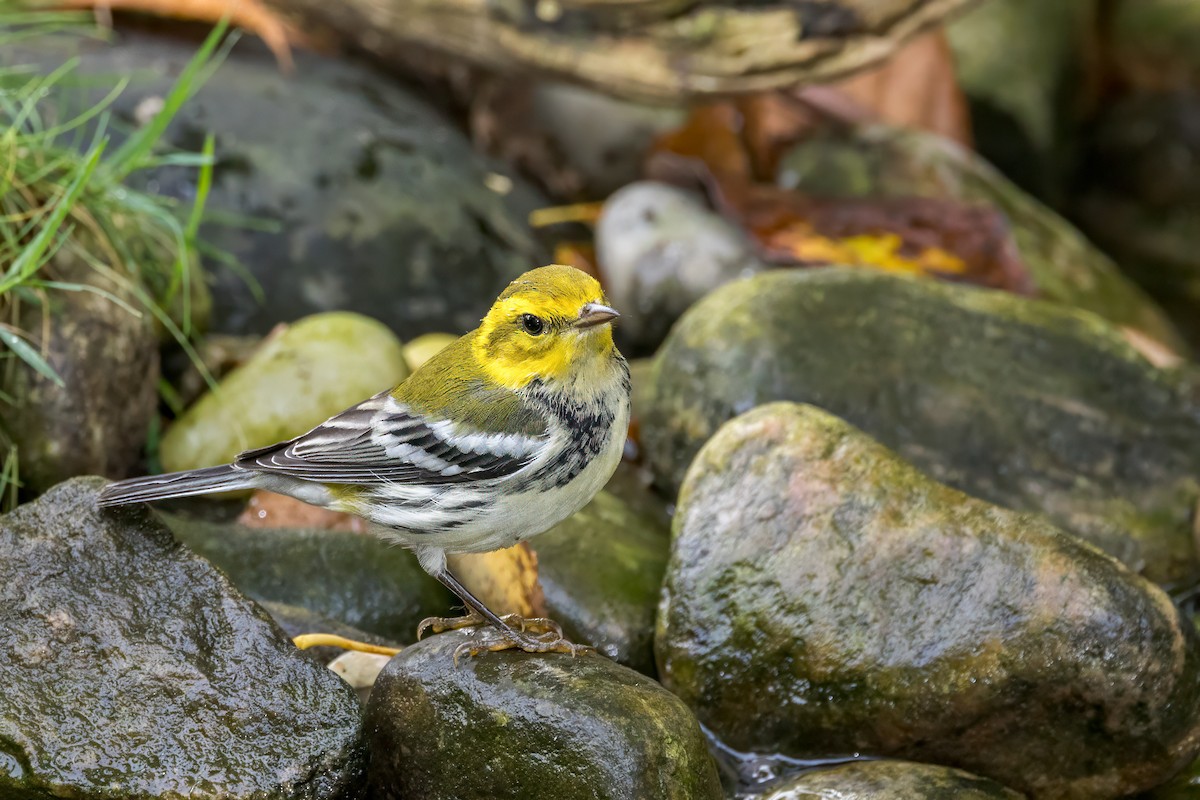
x=537, y=625
x=494, y=640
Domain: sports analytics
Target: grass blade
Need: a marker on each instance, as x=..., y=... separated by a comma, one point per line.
x=29, y=355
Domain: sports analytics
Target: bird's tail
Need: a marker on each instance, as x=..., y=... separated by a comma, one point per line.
x=177, y=484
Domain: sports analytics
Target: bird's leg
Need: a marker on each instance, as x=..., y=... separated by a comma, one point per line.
x=506, y=633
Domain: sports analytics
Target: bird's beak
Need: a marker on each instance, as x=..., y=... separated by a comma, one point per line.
x=594, y=314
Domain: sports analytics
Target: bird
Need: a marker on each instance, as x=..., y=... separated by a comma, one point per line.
x=503, y=434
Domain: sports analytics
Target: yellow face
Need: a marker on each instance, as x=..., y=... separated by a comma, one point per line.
x=551, y=323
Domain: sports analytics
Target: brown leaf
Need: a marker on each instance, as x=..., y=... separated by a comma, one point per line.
x=251, y=15
x=270, y=510
x=915, y=88
x=712, y=135
x=505, y=580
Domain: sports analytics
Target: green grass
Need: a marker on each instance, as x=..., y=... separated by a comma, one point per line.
x=64, y=190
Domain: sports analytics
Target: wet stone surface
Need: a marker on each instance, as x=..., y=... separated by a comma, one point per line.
x=529, y=727
x=132, y=668
x=825, y=598
x=1024, y=404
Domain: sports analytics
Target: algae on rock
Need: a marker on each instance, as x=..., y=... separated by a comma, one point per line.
x=1026, y=404
x=892, y=162
x=825, y=598
x=521, y=726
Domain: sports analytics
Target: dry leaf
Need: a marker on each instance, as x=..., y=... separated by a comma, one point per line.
x=359, y=669
x=251, y=15
x=916, y=88
x=1154, y=351
x=505, y=580
x=270, y=510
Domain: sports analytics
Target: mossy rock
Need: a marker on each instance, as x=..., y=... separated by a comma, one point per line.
x=824, y=597
x=1062, y=265
x=888, y=780
x=522, y=726
x=107, y=357
x=297, y=379
x=133, y=669
x=601, y=572
x=1026, y=404
x=356, y=578
x=361, y=195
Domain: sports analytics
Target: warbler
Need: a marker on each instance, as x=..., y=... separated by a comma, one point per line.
x=500, y=436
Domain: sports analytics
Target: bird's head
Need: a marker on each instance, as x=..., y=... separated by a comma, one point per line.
x=553, y=324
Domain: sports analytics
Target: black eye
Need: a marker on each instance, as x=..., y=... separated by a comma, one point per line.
x=532, y=325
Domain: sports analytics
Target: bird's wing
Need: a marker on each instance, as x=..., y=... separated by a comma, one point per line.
x=384, y=440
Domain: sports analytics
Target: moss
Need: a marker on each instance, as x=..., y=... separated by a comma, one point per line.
x=514, y=725
x=1027, y=404
x=825, y=598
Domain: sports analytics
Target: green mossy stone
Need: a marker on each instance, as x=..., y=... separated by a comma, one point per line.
x=356, y=578
x=882, y=161
x=313, y=369
x=824, y=597
x=133, y=669
x=601, y=572
x=888, y=780
x=522, y=726
x=1022, y=403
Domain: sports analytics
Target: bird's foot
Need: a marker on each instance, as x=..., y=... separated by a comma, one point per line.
x=492, y=639
x=536, y=625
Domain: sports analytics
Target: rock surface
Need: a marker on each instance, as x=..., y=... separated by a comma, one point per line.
x=1024, y=404
x=601, y=571
x=131, y=668
x=888, y=780
x=358, y=579
x=108, y=361
x=880, y=161
x=529, y=727
x=660, y=250
x=823, y=597
x=297, y=379
x=335, y=165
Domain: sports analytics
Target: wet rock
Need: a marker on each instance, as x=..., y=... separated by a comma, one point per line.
x=358, y=579
x=888, y=780
x=1139, y=200
x=824, y=597
x=660, y=250
x=300, y=377
x=534, y=727
x=132, y=668
x=1021, y=403
x=601, y=570
x=373, y=202
x=1062, y=265
x=1018, y=61
x=96, y=423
